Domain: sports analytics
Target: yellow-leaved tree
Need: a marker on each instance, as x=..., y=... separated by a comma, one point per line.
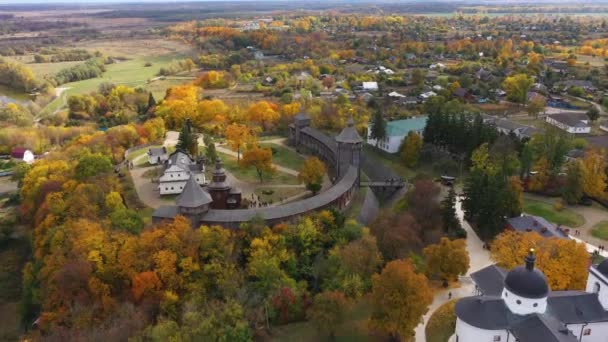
x=563, y=261
x=238, y=136
x=447, y=260
x=311, y=174
x=593, y=170
x=260, y=159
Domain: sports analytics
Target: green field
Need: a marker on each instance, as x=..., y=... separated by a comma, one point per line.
x=250, y=175
x=600, y=230
x=42, y=70
x=284, y=156
x=565, y=217
x=354, y=329
x=442, y=323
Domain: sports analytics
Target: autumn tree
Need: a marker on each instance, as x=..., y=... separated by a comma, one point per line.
x=263, y=113
x=260, y=159
x=535, y=106
x=399, y=298
x=328, y=311
x=93, y=164
x=564, y=262
x=446, y=260
x=410, y=149
x=573, y=189
x=311, y=173
x=238, y=136
x=593, y=114
x=593, y=170
x=517, y=87
x=397, y=233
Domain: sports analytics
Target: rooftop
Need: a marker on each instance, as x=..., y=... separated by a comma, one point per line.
x=399, y=128
x=531, y=223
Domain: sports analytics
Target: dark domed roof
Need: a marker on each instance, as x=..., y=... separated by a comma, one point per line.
x=602, y=267
x=526, y=281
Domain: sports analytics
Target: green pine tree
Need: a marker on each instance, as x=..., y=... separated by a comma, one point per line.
x=378, y=127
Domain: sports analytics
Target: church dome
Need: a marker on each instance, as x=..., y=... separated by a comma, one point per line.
x=526, y=281
x=603, y=268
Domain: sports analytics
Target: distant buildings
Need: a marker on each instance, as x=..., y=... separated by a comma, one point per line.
x=571, y=122
x=396, y=131
x=178, y=168
x=370, y=86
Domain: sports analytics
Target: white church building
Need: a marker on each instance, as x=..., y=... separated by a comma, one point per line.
x=177, y=170
x=518, y=305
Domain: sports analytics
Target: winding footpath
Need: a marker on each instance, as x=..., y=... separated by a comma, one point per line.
x=479, y=258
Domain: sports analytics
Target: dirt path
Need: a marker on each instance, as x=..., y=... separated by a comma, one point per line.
x=479, y=257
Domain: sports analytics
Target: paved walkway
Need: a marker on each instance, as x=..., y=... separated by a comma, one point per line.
x=479, y=258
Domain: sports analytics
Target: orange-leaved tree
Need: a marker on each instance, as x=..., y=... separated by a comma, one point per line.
x=238, y=136
x=563, y=261
x=399, y=298
x=260, y=159
x=311, y=174
x=447, y=260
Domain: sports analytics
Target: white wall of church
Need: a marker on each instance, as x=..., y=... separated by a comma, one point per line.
x=592, y=332
x=468, y=333
x=523, y=306
x=595, y=284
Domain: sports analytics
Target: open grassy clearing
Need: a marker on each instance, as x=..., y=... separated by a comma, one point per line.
x=250, y=175
x=43, y=70
x=565, y=217
x=600, y=230
x=284, y=156
x=354, y=328
x=442, y=323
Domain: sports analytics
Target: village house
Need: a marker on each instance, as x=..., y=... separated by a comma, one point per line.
x=157, y=155
x=178, y=168
x=23, y=154
x=370, y=86
x=396, y=131
x=537, y=224
x=518, y=305
x=571, y=122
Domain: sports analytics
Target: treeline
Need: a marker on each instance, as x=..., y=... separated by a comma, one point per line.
x=449, y=126
x=92, y=68
x=65, y=56
x=16, y=76
x=176, y=67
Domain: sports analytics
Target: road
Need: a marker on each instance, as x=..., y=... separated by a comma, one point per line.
x=479, y=258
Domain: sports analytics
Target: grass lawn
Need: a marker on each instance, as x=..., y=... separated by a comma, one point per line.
x=132, y=199
x=251, y=176
x=42, y=70
x=284, y=156
x=13, y=255
x=442, y=323
x=600, y=230
x=565, y=217
x=393, y=162
x=8, y=92
x=354, y=328
x=277, y=193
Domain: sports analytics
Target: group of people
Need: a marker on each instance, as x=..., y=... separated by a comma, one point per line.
x=257, y=203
